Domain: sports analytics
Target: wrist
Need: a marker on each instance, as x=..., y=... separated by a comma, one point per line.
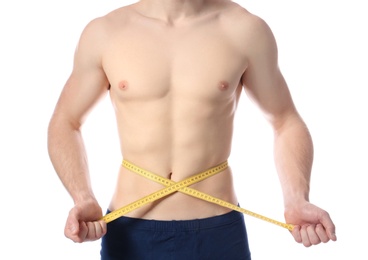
x=84, y=197
x=296, y=198
x=294, y=211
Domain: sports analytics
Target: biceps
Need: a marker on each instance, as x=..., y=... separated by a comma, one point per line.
x=269, y=90
x=80, y=94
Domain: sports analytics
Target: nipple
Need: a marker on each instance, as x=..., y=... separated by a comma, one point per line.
x=123, y=85
x=223, y=85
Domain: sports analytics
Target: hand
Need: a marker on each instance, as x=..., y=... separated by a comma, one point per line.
x=312, y=225
x=84, y=223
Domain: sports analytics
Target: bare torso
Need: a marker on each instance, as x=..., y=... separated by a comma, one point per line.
x=175, y=70
x=175, y=90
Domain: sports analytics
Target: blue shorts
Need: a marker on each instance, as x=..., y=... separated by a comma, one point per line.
x=221, y=237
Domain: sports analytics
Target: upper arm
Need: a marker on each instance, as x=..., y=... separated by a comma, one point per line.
x=87, y=82
x=263, y=80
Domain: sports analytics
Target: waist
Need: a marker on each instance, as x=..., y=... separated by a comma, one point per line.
x=182, y=225
x=177, y=206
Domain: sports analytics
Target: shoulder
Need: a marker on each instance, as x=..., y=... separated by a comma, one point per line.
x=250, y=30
x=245, y=21
x=98, y=31
x=103, y=25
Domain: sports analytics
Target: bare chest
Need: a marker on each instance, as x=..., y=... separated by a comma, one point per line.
x=150, y=63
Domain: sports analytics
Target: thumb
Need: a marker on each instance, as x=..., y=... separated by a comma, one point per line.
x=329, y=226
x=72, y=226
x=331, y=234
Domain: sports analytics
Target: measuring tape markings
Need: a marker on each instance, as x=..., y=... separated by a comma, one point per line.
x=161, y=193
x=172, y=186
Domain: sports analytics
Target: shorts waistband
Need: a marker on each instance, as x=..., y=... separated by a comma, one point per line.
x=179, y=225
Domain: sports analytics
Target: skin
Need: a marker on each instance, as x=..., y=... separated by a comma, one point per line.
x=175, y=71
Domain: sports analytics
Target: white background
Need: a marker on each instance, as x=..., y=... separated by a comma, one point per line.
x=323, y=55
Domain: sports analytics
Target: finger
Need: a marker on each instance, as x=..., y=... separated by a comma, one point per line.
x=329, y=226
x=103, y=226
x=95, y=231
x=91, y=234
x=305, y=238
x=296, y=234
x=321, y=232
x=99, y=232
x=100, y=227
x=312, y=234
x=83, y=231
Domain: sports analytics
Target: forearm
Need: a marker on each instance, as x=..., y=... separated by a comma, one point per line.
x=68, y=156
x=293, y=153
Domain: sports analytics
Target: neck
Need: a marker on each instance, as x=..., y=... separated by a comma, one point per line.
x=171, y=11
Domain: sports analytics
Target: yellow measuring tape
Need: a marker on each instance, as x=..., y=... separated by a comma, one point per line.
x=182, y=186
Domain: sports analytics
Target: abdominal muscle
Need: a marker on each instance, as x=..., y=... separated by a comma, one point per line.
x=174, y=149
x=176, y=142
x=177, y=206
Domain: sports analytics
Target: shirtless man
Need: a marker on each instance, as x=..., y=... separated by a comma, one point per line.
x=175, y=71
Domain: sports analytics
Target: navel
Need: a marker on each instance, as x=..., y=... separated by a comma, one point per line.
x=223, y=85
x=123, y=85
